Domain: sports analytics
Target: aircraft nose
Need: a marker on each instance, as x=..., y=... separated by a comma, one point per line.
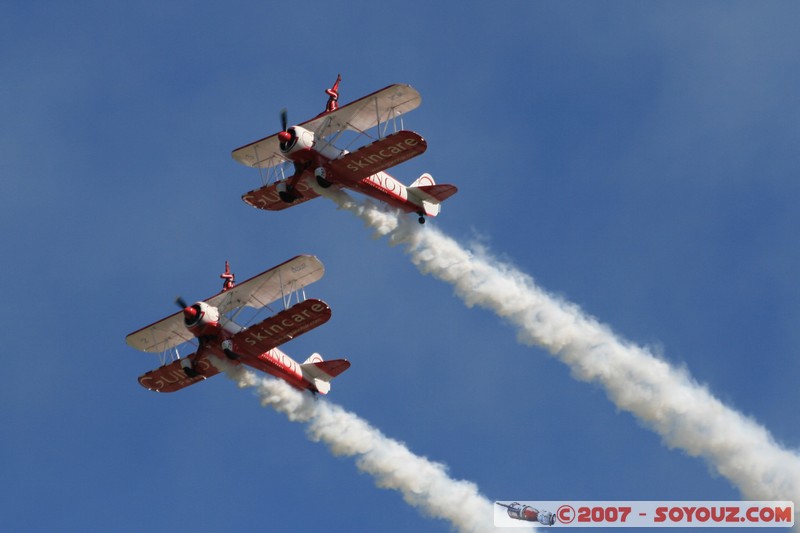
x=190, y=314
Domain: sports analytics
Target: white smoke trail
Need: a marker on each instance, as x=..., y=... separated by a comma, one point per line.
x=665, y=398
x=423, y=483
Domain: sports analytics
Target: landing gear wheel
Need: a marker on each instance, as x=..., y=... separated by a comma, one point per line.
x=421, y=219
x=286, y=196
x=231, y=355
x=322, y=182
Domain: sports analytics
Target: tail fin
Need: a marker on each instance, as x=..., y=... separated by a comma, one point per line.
x=429, y=195
x=320, y=372
x=423, y=181
x=313, y=358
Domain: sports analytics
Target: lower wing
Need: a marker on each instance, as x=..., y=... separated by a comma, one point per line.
x=384, y=153
x=178, y=374
x=269, y=198
x=284, y=326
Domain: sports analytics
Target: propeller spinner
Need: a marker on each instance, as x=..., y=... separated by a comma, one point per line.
x=190, y=312
x=285, y=135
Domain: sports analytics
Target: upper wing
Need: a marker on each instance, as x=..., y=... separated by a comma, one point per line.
x=161, y=336
x=361, y=115
x=258, y=291
x=268, y=286
x=265, y=153
x=367, y=112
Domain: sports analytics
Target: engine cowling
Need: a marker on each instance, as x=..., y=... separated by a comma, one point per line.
x=295, y=139
x=201, y=319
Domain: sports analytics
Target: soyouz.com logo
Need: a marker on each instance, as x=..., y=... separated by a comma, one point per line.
x=644, y=513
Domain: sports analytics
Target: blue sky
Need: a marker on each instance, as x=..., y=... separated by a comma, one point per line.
x=638, y=159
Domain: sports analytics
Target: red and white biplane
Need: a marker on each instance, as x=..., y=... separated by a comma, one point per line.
x=211, y=326
x=300, y=155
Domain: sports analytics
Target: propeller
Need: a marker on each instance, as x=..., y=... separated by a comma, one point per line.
x=285, y=136
x=189, y=312
x=189, y=315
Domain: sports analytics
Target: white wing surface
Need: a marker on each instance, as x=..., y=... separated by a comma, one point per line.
x=257, y=292
x=361, y=115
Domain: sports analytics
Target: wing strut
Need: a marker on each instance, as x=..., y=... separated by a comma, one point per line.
x=260, y=170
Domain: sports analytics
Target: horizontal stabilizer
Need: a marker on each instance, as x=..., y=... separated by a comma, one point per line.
x=428, y=194
x=320, y=372
x=178, y=374
x=333, y=368
x=440, y=192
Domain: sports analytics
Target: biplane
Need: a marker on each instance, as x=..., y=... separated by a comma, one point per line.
x=299, y=161
x=212, y=327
